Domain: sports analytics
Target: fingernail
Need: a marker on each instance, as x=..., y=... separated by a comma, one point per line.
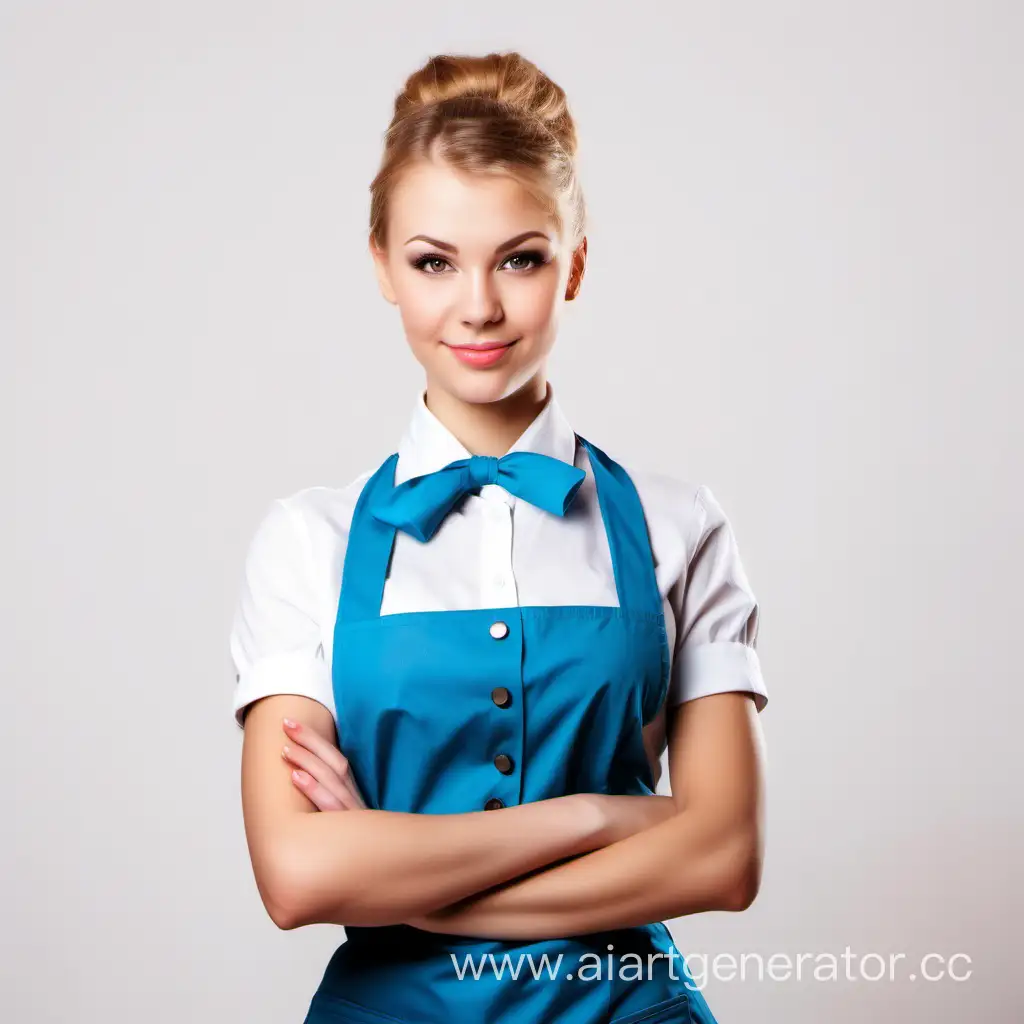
x=289, y=723
x=286, y=750
x=299, y=776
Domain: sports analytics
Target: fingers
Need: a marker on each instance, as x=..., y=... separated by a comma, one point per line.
x=316, y=744
x=320, y=774
x=324, y=762
x=322, y=797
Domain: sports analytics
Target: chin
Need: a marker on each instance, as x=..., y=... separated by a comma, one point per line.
x=478, y=387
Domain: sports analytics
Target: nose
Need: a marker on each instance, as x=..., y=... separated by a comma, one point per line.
x=480, y=301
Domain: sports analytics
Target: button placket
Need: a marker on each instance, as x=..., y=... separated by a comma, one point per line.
x=498, y=589
x=501, y=696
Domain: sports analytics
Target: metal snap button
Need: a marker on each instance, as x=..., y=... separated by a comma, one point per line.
x=493, y=804
x=499, y=630
x=504, y=764
x=501, y=696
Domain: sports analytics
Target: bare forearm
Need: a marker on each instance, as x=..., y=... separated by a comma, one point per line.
x=372, y=867
x=685, y=865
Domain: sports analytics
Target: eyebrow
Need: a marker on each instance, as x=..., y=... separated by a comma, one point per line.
x=504, y=247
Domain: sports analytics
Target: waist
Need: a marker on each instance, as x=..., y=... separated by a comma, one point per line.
x=404, y=974
x=399, y=940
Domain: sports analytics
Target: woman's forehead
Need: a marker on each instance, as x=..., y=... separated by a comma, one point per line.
x=432, y=199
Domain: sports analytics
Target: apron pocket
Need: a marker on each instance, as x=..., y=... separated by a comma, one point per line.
x=328, y=1008
x=674, y=1010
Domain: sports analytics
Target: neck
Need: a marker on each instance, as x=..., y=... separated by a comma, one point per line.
x=489, y=428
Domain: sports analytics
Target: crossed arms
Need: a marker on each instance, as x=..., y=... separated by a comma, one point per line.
x=564, y=866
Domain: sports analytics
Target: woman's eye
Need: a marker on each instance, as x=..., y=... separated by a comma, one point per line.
x=534, y=259
x=425, y=261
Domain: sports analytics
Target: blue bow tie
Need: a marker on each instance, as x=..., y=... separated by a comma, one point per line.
x=418, y=506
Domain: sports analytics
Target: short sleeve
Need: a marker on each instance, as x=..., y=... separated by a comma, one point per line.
x=717, y=615
x=275, y=640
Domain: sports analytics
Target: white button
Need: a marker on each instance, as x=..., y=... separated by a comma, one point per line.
x=499, y=581
x=499, y=630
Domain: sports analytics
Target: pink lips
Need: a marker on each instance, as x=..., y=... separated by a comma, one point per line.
x=485, y=354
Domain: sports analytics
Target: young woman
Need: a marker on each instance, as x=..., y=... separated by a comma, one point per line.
x=457, y=673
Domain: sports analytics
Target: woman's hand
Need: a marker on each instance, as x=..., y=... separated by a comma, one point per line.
x=322, y=770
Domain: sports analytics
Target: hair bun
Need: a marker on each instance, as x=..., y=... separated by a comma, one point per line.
x=505, y=79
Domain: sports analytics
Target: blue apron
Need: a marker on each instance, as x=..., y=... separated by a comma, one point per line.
x=445, y=712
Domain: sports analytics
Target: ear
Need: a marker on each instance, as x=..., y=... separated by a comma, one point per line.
x=380, y=266
x=576, y=271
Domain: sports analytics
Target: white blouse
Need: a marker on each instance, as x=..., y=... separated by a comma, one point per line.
x=494, y=551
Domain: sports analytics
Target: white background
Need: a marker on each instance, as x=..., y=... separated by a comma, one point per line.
x=803, y=290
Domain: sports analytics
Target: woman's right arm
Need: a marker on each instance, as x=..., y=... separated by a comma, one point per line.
x=373, y=867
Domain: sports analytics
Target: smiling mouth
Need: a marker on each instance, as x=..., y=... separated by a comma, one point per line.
x=484, y=346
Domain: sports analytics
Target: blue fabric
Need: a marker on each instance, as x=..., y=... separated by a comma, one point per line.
x=426, y=701
x=418, y=506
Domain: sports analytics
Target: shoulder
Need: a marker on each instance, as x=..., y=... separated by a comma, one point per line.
x=327, y=504
x=672, y=509
x=681, y=513
x=313, y=521
x=673, y=503
x=673, y=498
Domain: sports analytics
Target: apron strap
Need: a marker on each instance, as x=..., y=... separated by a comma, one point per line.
x=368, y=551
x=629, y=541
x=626, y=527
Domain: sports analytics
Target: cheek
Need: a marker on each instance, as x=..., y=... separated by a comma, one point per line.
x=423, y=308
x=535, y=306
x=530, y=304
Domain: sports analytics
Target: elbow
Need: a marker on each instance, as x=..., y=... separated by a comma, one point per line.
x=283, y=899
x=289, y=891
x=285, y=913
x=281, y=916
x=740, y=875
x=741, y=890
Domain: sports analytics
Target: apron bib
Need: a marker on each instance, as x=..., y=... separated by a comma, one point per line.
x=445, y=712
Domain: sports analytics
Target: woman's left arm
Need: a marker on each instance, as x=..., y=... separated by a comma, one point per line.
x=707, y=856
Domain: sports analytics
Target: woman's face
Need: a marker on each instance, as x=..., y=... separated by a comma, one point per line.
x=473, y=260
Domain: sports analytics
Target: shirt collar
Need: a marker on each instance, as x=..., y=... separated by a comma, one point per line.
x=428, y=445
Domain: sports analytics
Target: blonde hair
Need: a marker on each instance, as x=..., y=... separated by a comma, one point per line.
x=496, y=114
